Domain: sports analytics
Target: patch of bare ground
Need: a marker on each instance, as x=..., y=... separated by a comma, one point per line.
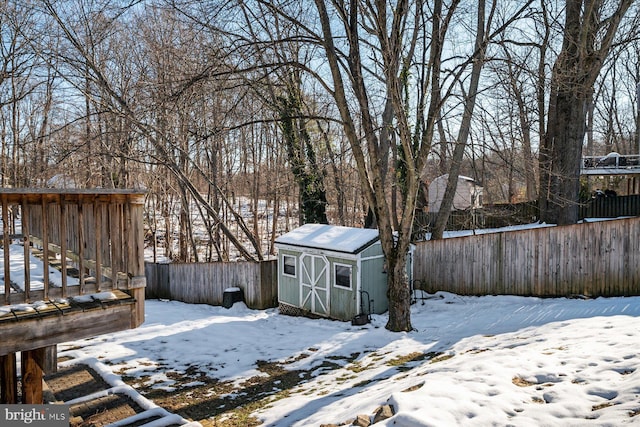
x=521, y=382
x=407, y=362
x=217, y=403
x=196, y=396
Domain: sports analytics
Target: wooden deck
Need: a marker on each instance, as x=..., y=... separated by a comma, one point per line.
x=47, y=323
x=611, y=164
x=93, y=241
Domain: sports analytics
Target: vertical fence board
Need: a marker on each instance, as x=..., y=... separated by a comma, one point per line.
x=62, y=238
x=80, y=247
x=45, y=248
x=97, y=218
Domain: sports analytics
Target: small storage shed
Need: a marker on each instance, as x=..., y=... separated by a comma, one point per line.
x=332, y=271
x=468, y=193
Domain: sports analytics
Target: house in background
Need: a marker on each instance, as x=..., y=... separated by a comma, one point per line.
x=468, y=193
x=332, y=271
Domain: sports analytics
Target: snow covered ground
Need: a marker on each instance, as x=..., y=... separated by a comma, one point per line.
x=470, y=360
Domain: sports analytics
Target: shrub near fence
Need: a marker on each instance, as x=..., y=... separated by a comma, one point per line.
x=204, y=283
x=593, y=259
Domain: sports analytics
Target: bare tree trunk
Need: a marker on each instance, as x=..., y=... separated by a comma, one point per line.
x=525, y=128
x=567, y=123
x=587, y=40
x=339, y=188
x=465, y=127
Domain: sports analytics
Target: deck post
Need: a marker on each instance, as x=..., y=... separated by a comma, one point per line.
x=135, y=258
x=8, y=379
x=32, y=375
x=49, y=363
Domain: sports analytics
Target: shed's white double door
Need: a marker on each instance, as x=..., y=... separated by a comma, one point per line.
x=314, y=284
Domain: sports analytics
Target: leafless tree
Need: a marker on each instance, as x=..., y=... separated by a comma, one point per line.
x=590, y=29
x=169, y=148
x=25, y=102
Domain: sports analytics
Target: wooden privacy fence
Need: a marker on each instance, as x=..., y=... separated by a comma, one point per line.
x=592, y=259
x=204, y=283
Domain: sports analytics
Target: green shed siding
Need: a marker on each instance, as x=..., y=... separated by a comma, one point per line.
x=371, y=251
x=374, y=282
x=343, y=303
x=288, y=287
x=343, y=300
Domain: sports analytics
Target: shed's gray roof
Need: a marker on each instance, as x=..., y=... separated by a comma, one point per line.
x=330, y=237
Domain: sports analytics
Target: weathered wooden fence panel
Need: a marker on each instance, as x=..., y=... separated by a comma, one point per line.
x=594, y=259
x=157, y=281
x=204, y=283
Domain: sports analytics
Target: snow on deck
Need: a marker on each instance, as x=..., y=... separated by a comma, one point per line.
x=16, y=255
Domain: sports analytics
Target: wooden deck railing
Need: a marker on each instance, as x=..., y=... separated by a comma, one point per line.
x=95, y=235
x=95, y=239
